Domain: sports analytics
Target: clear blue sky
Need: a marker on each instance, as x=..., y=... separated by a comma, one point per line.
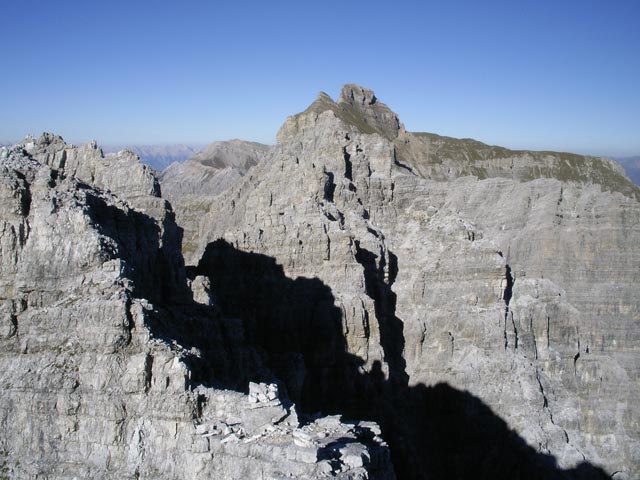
x=526, y=74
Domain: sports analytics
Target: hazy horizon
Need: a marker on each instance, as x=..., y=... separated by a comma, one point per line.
x=527, y=75
x=111, y=145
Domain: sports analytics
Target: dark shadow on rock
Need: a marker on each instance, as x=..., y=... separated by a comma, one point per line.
x=294, y=324
x=294, y=327
x=442, y=432
x=213, y=347
x=379, y=278
x=152, y=259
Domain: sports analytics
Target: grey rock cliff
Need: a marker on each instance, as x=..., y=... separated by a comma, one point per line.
x=483, y=302
x=108, y=368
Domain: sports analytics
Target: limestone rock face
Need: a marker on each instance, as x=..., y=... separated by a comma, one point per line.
x=108, y=368
x=488, y=322
x=479, y=304
x=121, y=173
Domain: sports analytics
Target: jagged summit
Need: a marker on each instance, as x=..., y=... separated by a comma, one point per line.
x=323, y=97
x=120, y=172
x=436, y=157
x=108, y=368
x=477, y=302
x=363, y=103
x=357, y=95
x=356, y=107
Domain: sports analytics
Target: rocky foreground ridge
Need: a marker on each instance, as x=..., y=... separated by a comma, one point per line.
x=109, y=368
x=473, y=306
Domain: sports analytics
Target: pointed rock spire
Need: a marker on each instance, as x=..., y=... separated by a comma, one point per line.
x=357, y=107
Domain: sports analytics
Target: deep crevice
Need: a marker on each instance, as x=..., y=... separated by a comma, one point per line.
x=13, y=330
x=25, y=200
x=379, y=277
x=398, y=163
x=148, y=372
x=533, y=336
x=544, y=397
x=348, y=166
x=329, y=187
x=548, y=332
x=508, y=291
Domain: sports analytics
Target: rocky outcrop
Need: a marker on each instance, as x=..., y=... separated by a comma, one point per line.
x=109, y=368
x=500, y=300
x=192, y=185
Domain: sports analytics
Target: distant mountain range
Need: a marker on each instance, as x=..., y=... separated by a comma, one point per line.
x=631, y=166
x=161, y=156
x=158, y=156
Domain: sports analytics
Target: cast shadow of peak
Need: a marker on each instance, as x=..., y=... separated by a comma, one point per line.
x=434, y=432
x=150, y=250
x=461, y=437
x=293, y=323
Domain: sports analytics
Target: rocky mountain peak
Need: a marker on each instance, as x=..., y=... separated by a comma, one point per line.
x=357, y=95
x=231, y=154
x=97, y=323
x=323, y=97
x=47, y=138
x=358, y=108
x=191, y=185
x=439, y=268
x=362, y=102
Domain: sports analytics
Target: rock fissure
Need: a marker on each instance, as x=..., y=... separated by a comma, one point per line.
x=533, y=337
x=329, y=187
x=348, y=166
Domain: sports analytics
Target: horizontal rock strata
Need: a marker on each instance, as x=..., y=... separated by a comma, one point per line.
x=109, y=368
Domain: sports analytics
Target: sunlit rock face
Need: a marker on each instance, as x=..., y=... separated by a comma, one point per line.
x=110, y=365
x=480, y=303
